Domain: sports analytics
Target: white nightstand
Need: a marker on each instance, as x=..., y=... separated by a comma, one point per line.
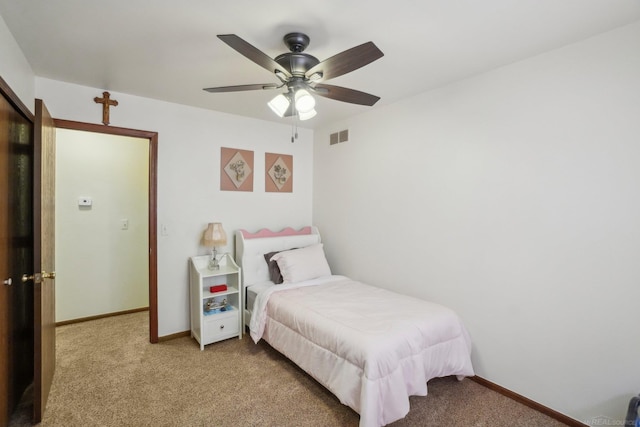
x=209, y=326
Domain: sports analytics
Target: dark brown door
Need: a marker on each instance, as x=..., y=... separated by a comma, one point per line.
x=5, y=318
x=44, y=260
x=16, y=252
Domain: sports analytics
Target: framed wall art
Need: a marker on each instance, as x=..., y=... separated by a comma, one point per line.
x=236, y=169
x=278, y=173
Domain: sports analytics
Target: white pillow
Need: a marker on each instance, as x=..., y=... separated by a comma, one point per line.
x=302, y=264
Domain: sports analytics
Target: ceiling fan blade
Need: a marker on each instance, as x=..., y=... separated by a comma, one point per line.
x=253, y=53
x=345, y=94
x=242, y=88
x=345, y=62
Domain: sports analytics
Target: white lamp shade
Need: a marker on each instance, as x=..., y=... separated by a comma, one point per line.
x=307, y=115
x=304, y=101
x=214, y=235
x=279, y=104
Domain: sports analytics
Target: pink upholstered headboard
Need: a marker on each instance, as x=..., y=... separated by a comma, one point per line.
x=251, y=247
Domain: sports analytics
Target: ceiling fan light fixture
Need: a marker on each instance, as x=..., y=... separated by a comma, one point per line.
x=304, y=101
x=306, y=115
x=279, y=104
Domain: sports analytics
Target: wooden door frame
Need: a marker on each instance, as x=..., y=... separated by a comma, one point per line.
x=14, y=100
x=153, y=204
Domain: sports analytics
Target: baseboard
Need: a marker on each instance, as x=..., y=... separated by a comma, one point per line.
x=174, y=336
x=528, y=402
x=101, y=316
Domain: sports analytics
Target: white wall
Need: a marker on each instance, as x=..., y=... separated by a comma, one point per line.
x=513, y=198
x=14, y=68
x=100, y=267
x=510, y=197
x=189, y=141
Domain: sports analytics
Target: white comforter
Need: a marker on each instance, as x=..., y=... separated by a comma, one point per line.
x=371, y=347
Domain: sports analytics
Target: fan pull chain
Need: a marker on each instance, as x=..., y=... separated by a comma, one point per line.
x=294, y=128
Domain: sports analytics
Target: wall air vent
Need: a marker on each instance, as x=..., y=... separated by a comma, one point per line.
x=342, y=136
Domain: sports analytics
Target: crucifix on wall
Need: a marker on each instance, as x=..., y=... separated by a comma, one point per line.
x=106, y=103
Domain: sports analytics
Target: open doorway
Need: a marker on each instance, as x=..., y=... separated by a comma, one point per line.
x=121, y=221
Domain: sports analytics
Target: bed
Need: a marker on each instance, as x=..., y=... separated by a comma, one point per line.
x=372, y=348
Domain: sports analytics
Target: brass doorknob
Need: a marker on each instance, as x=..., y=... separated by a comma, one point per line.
x=37, y=277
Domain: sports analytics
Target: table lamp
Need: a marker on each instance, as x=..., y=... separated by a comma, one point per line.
x=214, y=236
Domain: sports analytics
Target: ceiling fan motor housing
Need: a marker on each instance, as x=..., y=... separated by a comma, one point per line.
x=296, y=63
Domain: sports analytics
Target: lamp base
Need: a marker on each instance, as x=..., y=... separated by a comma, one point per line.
x=213, y=262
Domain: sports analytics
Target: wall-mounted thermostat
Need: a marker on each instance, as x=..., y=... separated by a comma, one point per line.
x=84, y=201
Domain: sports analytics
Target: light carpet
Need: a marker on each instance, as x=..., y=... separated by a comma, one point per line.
x=107, y=374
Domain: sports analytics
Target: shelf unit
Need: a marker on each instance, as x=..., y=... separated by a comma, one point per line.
x=209, y=327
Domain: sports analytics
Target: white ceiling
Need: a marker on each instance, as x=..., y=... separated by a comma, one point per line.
x=168, y=50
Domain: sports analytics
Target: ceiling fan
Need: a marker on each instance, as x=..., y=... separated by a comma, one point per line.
x=302, y=74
